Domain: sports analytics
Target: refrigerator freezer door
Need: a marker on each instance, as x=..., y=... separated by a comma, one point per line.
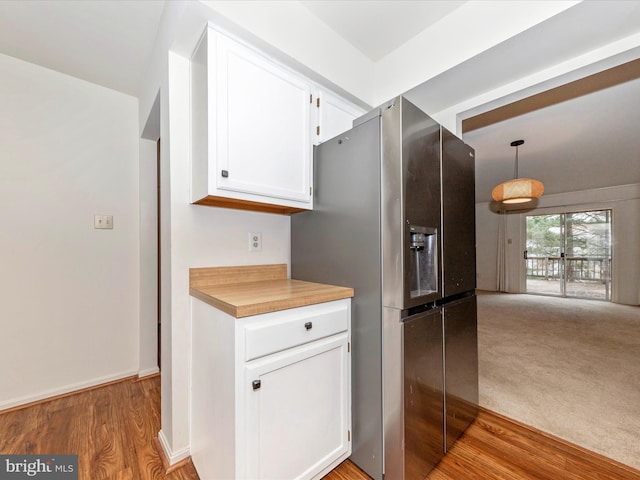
x=423, y=394
x=461, y=365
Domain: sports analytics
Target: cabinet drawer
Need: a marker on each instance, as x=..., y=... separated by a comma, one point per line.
x=266, y=338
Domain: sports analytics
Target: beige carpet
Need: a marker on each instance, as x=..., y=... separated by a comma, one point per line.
x=565, y=366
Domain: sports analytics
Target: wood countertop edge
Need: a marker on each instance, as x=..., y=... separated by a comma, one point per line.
x=298, y=301
x=213, y=301
x=276, y=304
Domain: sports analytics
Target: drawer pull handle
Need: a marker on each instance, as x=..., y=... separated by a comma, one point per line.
x=308, y=325
x=256, y=384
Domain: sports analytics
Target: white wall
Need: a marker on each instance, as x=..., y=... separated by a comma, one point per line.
x=623, y=200
x=69, y=309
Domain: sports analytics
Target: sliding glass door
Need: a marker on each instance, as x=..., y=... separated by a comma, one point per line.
x=544, y=254
x=569, y=254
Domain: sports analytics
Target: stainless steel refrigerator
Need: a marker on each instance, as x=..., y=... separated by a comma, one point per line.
x=394, y=218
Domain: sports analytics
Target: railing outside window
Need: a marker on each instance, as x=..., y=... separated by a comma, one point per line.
x=596, y=269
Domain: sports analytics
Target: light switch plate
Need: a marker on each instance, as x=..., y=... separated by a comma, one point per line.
x=103, y=221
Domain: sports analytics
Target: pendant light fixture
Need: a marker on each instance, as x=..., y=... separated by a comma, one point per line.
x=518, y=190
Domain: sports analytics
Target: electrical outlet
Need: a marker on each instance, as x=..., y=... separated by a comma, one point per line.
x=255, y=241
x=103, y=221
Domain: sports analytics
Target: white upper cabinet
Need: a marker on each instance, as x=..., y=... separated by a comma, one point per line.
x=335, y=115
x=254, y=123
x=262, y=126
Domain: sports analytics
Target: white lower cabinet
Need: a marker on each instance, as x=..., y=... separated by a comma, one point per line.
x=297, y=414
x=271, y=392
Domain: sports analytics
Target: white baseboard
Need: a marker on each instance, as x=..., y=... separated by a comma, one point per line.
x=148, y=372
x=16, y=402
x=172, y=457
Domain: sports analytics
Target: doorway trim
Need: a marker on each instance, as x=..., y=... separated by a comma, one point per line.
x=149, y=268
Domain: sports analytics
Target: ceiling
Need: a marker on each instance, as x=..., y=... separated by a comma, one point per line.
x=104, y=42
x=583, y=143
x=376, y=27
x=587, y=142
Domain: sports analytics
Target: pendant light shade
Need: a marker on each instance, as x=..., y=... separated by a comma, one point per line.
x=518, y=190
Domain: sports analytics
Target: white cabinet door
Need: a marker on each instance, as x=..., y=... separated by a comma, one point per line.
x=262, y=125
x=298, y=416
x=253, y=126
x=336, y=116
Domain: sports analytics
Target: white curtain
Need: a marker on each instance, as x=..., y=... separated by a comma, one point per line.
x=502, y=266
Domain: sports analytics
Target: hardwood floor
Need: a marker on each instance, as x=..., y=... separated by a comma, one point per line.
x=112, y=430
x=496, y=448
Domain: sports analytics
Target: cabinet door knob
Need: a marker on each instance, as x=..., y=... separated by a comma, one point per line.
x=308, y=325
x=225, y=173
x=256, y=384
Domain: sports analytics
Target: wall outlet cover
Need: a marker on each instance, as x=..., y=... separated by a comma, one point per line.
x=255, y=241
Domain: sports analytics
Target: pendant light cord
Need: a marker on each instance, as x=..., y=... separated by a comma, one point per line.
x=516, y=143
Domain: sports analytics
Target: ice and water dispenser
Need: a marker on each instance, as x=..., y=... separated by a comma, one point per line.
x=423, y=262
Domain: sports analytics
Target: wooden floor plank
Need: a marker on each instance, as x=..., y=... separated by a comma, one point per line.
x=112, y=430
x=497, y=448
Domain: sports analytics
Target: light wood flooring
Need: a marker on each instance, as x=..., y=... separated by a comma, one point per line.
x=497, y=448
x=112, y=430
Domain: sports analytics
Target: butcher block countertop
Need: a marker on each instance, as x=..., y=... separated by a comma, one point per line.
x=255, y=289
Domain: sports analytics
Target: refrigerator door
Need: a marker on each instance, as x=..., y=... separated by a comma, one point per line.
x=423, y=394
x=421, y=192
x=410, y=206
x=458, y=216
x=339, y=243
x=461, y=365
